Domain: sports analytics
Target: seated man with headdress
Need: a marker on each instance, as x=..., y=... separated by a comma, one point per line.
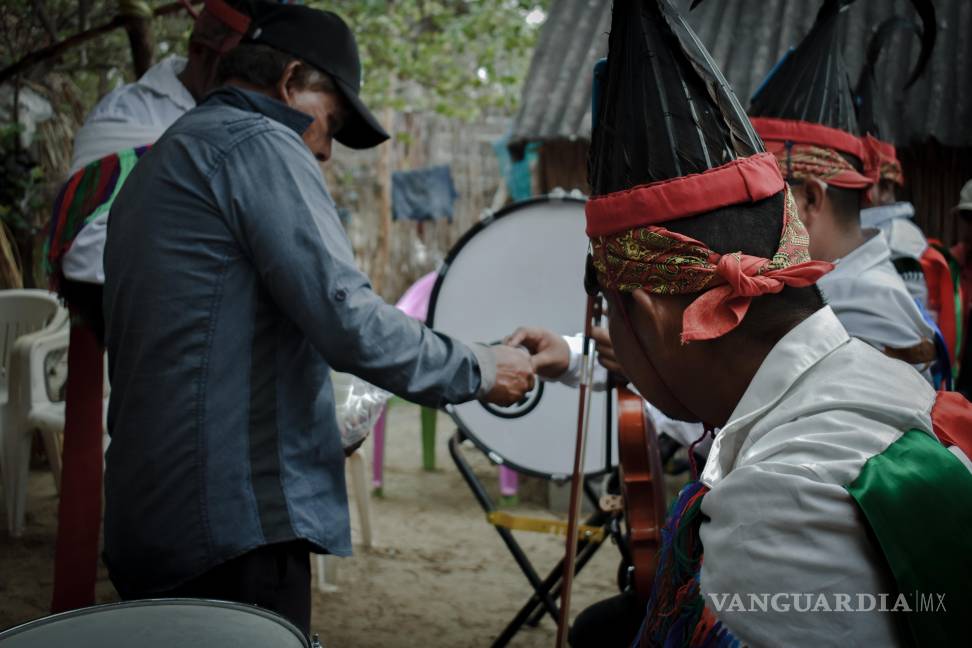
x=805, y=114
x=819, y=509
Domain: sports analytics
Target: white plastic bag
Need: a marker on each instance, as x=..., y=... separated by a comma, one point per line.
x=358, y=405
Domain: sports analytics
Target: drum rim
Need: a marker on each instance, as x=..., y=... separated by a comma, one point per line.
x=157, y=602
x=441, y=273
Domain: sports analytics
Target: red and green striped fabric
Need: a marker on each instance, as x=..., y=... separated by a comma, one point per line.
x=86, y=195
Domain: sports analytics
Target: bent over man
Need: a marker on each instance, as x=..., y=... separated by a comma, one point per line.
x=230, y=293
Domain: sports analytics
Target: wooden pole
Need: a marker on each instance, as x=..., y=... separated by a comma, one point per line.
x=386, y=162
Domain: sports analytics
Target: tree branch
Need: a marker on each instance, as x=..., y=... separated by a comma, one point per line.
x=52, y=51
x=45, y=19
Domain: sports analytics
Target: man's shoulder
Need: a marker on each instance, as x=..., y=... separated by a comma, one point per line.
x=157, y=98
x=226, y=128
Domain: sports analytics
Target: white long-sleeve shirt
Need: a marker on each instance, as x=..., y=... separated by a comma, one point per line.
x=779, y=516
x=134, y=114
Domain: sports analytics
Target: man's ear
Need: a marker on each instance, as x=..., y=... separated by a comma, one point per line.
x=815, y=196
x=284, y=86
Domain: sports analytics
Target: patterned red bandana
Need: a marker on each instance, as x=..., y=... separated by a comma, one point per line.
x=646, y=256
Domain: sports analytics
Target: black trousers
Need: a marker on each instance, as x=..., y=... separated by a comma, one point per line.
x=611, y=623
x=276, y=577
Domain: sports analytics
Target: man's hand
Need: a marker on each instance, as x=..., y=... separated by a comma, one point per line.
x=514, y=375
x=605, y=351
x=550, y=353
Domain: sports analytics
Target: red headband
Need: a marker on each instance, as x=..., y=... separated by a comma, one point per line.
x=884, y=157
x=741, y=181
x=806, y=149
x=801, y=132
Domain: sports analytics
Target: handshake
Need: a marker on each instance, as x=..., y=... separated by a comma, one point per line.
x=528, y=352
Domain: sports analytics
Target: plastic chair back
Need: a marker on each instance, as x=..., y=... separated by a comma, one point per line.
x=22, y=312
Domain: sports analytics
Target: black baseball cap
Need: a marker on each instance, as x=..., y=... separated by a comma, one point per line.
x=324, y=40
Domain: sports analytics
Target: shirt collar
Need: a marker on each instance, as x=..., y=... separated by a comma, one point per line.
x=258, y=102
x=163, y=79
x=874, y=216
x=797, y=352
x=872, y=252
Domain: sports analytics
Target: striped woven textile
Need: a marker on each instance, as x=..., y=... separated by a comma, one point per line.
x=84, y=197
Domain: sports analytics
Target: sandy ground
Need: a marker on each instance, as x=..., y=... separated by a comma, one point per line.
x=438, y=574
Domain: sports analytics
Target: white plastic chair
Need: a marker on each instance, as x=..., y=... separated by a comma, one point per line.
x=32, y=324
x=327, y=565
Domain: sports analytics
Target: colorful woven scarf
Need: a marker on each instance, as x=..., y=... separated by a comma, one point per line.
x=86, y=195
x=677, y=616
x=805, y=150
x=660, y=261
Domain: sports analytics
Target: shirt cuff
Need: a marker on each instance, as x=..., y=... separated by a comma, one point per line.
x=487, y=368
x=572, y=376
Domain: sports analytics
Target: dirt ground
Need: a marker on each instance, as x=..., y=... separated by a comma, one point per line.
x=438, y=574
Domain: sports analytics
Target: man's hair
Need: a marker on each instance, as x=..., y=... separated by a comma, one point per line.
x=847, y=202
x=754, y=229
x=262, y=66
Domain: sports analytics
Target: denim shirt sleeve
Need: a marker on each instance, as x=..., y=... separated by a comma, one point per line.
x=272, y=195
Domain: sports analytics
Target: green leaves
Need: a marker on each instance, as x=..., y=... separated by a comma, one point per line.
x=421, y=55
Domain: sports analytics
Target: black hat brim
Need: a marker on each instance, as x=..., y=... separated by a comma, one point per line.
x=361, y=130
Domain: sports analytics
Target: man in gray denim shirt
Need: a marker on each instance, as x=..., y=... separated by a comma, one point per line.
x=230, y=293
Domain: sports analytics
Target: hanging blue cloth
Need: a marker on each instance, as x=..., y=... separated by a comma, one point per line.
x=516, y=173
x=423, y=194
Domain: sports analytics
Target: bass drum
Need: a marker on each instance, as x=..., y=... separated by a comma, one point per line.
x=524, y=266
x=159, y=623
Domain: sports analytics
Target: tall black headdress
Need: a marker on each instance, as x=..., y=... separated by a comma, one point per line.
x=666, y=110
x=671, y=141
x=812, y=84
x=870, y=113
x=805, y=110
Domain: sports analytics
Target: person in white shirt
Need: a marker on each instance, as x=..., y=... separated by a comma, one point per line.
x=136, y=114
x=825, y=480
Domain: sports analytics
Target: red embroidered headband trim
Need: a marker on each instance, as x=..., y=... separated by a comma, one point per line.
x=801, y=132
x=741, y=181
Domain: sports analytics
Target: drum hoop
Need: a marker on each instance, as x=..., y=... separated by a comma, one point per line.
x=443, y=270
x=158, y=602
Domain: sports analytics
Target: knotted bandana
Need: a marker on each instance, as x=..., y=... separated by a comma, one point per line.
x=660, y=261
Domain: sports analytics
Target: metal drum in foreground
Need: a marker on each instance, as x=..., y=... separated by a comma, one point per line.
x=523, y=267
x=159, y=623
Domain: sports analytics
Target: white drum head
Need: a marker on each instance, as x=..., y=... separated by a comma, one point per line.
x=525, y=267
x=159, y=623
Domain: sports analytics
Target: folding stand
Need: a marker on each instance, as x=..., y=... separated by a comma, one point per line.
x=594, y=530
